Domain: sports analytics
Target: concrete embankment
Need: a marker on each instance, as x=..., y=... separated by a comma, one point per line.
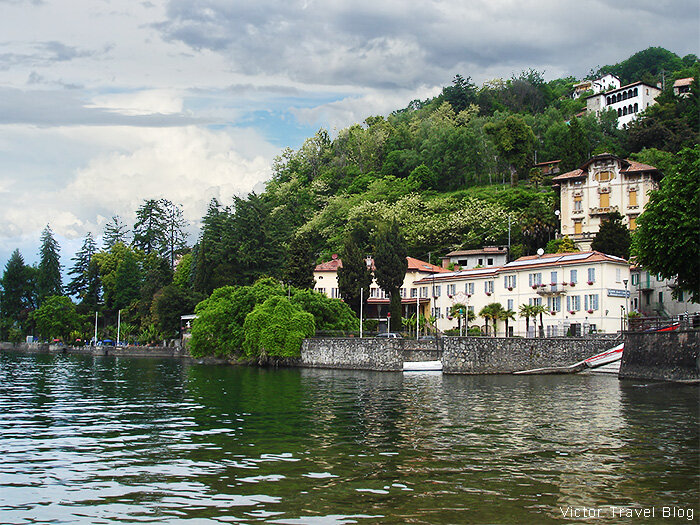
x=459, y=355
x=664, y=356
x=126, y=351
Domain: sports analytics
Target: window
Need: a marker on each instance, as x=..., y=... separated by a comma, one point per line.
x=578, y=202
x=424, y=291
x=591, y=275
x=553, y=278
x=661, y=297
x=481, y=262
x=321, y=290
x=554, y=304
x=335, y=293
x=437, y=290
x=573, y=276
x=374, y=292
x=633, y=223
x=604, y=176
x=437, y=313
x=509, y=281
x=414, y=293
x=578, y=227
x=488, y=286
x=591, y=301
x=604, y=200
x=469, y=288
x=633, y=197
x=535, y=279
x=573, y=303
x=451, y=289
x=489, y=262
x=618, y=275
x=635, y=279
x=402, y=292
x=510, y=304
x=535, y=301
x=470, y=308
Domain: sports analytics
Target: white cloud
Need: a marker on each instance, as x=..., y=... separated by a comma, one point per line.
x=188, y=165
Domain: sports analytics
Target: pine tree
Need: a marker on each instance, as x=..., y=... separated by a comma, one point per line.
x=149, y=229
x=115, y=231
x=79, y=283
x=49, y=270
x=391, y=265
x=354, y=275
x=127, y=281
x=13, y=300
x=576, y=146
x=175, y=237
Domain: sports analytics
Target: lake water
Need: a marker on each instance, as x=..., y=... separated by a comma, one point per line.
x=109, y=440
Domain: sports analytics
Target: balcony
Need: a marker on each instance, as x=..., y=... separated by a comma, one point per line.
x=552, y=289
x=603, y=211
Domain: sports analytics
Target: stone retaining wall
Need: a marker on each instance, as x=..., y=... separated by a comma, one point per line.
x=665, y=356
x=504, y=355
x=126, y=351
x=459, y=355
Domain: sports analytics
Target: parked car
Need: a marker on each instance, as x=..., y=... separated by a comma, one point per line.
x=389, y=335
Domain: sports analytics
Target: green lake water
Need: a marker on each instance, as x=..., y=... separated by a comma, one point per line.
x=109, y=440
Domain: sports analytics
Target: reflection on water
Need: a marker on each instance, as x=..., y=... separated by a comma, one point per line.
x=104, y=440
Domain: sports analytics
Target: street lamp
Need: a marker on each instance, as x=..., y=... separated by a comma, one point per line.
x=626, y=310
x=368, y=262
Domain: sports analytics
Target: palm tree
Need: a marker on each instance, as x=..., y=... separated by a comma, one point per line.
x=507, y=315
x=492, y=311
x=538, y=309
x=525, y=311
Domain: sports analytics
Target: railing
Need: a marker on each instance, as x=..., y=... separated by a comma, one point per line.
x=684, y=322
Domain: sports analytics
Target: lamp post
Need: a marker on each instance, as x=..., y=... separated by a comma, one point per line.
x=95, y=339
x=119, y=326
x=626, y=310
x=368, y=262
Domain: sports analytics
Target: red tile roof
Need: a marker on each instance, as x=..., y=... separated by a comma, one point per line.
x=575, y=174
x=414, y=265
x=683, y=82
x=635, y=166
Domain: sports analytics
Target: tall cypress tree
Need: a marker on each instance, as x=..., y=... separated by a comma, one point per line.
x=299, y=269
x=354, y=275
x=49, y=270
x=391, y=265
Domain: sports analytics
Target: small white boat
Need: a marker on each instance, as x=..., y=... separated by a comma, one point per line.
x=609, y=356
x=422, y=366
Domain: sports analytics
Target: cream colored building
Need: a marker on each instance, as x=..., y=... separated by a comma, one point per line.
x=604, y=184
x=582, y=291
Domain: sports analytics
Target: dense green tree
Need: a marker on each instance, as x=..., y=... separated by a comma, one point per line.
x=514, y=141
x=461, y=94
x=49, y=269
x=276, y=328
x=127, y=281
x=218, y=329
x=329, y=314
x=613, y=237
x=300, y=264
x=169, y=304
x=56, y=318
x=16, y=299
x=80, y=272
x=576, y=147
x=354, y=275
x=646, y=65
x=181, y=276
x=390, y=266
x=115, y=232
x=667, y=239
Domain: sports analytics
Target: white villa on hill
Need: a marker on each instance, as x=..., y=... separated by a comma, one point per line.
x=627, y=101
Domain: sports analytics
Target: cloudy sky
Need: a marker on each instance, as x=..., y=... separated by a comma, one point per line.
x=104, y=103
